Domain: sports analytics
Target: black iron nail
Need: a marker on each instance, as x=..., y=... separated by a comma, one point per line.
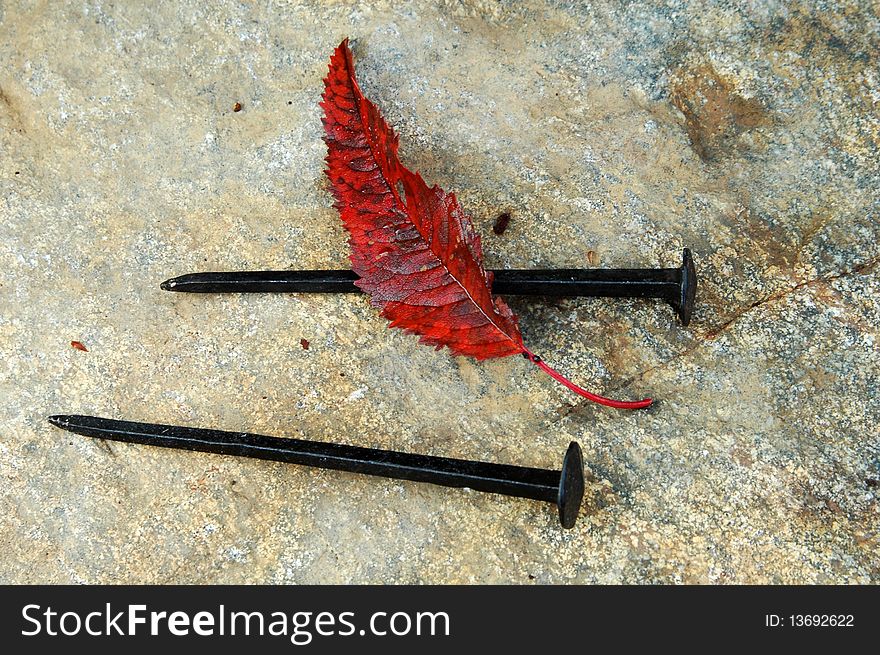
x=677, y=286
x=565, y=488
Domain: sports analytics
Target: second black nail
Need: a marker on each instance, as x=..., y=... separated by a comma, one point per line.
x=564, y=488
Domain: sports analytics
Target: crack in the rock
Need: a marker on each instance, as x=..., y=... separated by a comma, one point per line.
x=859, y=269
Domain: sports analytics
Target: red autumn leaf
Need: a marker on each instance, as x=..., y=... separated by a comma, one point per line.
x=414, y=249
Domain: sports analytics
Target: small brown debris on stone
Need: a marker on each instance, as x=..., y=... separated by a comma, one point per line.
x=592, y=257
x=79, y=346
x=304, y=343
x=832, y=505
x=501, y=223
x=236, y=107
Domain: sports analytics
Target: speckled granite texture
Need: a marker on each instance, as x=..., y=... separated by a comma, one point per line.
x=614, y=133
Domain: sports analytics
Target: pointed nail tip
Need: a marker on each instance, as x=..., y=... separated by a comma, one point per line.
x=58, y=420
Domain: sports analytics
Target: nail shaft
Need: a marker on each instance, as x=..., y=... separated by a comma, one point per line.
x=675, y=285
x=563, y=488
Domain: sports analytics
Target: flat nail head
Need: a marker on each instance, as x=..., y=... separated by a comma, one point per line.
x=685, y=304
x=571, y=486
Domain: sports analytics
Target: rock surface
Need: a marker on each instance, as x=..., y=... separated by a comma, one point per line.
x=614, y=134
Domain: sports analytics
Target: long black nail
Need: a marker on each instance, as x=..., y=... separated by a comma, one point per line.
x=565, y=488
x=677, y=286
